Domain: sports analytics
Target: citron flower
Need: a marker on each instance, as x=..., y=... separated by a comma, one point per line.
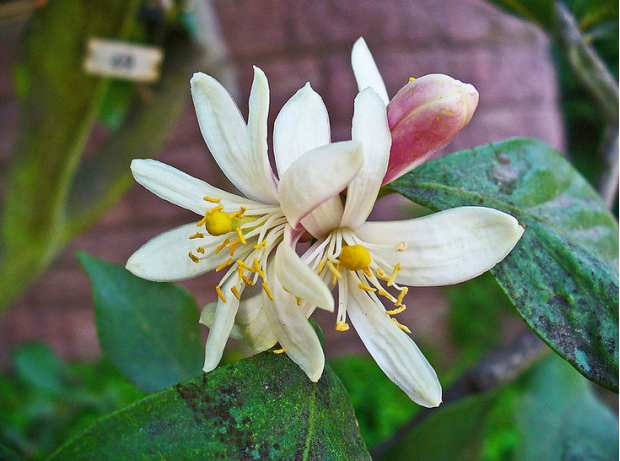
x=243, y=237
x=424, y=116
x=373, y=261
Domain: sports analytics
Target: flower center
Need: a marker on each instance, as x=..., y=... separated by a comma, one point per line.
x=218, y=223
x=354, y=257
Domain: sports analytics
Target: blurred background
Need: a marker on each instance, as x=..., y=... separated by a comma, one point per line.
x=525, y=90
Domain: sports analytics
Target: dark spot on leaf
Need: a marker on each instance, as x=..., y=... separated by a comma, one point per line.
x=503, y=158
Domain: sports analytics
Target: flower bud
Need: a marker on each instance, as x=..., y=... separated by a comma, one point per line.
x=424, y=116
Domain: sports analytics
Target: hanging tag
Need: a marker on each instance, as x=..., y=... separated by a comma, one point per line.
x=110, y=58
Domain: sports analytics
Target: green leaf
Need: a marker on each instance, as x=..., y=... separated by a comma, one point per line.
x=260, y=408
x=39, y=366
x=559, y=418
x=453, y=432
x=149, y=330
x=561, y=276
x=6, y=454
x=539, y=11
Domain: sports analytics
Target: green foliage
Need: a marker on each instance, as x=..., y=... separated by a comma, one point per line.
x=263, y=407
x=45, y=401
x=149, y=330
x=539, y=11
x=561, y=276
x=380, y=406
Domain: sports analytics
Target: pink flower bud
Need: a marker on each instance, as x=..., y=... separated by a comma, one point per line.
x=424, y=116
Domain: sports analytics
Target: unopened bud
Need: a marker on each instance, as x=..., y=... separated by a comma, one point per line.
x=424, y=116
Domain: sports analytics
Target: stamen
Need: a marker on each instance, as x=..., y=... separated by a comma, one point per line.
x=219, y=293
x=239, y=214
x=342, y=326
x=197, y=235
x=397, y=269
x=267, y=290
x=386, y=294
x=367, y=271
x=245, y=266
x=321, y=267
x=299, y=301
x=402, y=294
x=247, y=280
x=236, y=293
x=366, y=287
x=261, y=245
x=279, y=351
x=335, y=274
x=223, y=265
x=257, y=268
x=401, y=326
x=398, y=310
x=233, y=246
x=382, y=275
x=212, y=200
x=222, y=246
x=214, y=209
x=200, y=250
x=193, y=257
x=402, y=246
x=240, y=234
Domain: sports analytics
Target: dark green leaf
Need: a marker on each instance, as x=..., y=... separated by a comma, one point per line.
x=561, y=276
x=453, y=432
x=539, y=11
x=149, y=330
x=260, y=408
x=559, y=418
x=6, y=454
x=38, y=366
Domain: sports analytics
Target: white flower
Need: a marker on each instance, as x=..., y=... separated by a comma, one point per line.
x=242, y=236
x=370, y=261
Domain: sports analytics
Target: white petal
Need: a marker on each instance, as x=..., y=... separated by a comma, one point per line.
x=207, y=317
x=301, y=125
x=317, y=176
x=224, y=131
x=366, y=71
x=165, y=258
x=264, y=185
x=324, y=218
x=444, y=248
x=293, y=331
x=222, y=325
x=371, y=129
x=300, y=280
x=393, y=350
x=180, y=188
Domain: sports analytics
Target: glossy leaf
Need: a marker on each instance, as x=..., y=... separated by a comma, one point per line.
x=454, y=432
x=149, y=330
x=559, y=418
x=562, y=275
x=260, y=408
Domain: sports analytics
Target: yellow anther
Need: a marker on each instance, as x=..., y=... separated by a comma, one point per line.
x=257, y=268
x=197, y=235
x=354, y=257
x=193, y=257
x=386, y=294
x=240, y=235
x=247, y=281
x=223, y=265
x=367, y=271
x=321, y=267
x=233, y=246
x=403, y=293
x=366, y=287
x=299, y=301
x=212, y=200
x=398, y=310
x=401, y=326
x=267, y=290
x=397, y=269
x=279, y=351
x=261, y=245
x=218, y=222
x=335, y=274
x=236, y=293
x=222, y=246
x=402, y=246
x=411, y=79
x=200, y=250
x=219, y=293
x=239, y=214
x=245, y=266
x=382, y=275
x=342, y=326
x=214, y=209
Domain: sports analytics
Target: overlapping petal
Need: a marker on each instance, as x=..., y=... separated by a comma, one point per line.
x=180, y=188
x=395, y=352
x=446, y=247
x=370, y=128
x=301, y=126
x=165, y=258
x=317, y=176
x=366, y=71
